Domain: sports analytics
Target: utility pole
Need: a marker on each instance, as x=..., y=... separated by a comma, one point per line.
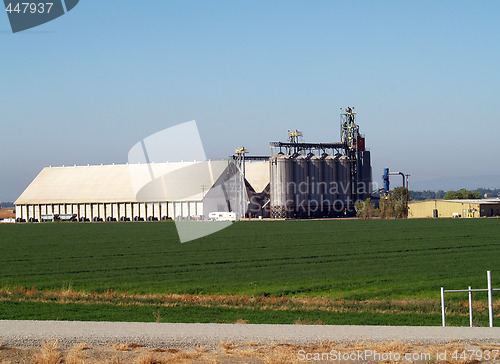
x=407, y=194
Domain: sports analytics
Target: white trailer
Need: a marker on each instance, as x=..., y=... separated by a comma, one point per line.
x=222, y=216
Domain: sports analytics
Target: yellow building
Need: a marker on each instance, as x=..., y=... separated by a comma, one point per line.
x=454, y=208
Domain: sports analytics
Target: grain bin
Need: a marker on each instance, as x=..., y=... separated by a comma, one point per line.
x=301, y=185
x=281, y=193
x=331, y=179
x=364, y=175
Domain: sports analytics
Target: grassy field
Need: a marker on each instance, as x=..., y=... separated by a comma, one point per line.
x=344, y=263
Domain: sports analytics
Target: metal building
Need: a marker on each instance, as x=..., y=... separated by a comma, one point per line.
x=454, y=208
x=129, y=192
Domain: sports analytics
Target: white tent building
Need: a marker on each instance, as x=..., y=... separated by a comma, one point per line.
x=127, y=191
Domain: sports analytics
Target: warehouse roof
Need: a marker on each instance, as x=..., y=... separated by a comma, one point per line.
x=479, y=201
x=175, y=181
x=471, y=201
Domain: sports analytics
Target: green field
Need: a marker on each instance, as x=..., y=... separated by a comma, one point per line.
x=337, y=260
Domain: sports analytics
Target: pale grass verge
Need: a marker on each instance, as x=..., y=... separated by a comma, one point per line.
x=152, y=358
x=166, y=358
x=228, y=346
x=171, y=351
x=113, y=360
x=81, y=346
x=234, y=352
x=159, y=356
x=126, y=347
x=183, y=356
x=283, y=355
x=75, y=357
x=49, y=354
x=201, y=349
x=403, y=348
x=252, y=343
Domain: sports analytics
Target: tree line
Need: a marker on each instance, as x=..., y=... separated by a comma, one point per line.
x=455, y=195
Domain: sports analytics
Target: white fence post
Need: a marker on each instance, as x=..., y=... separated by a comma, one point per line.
x=443, y=308
x=470, y=306
x=490, y=290
x=490, y=297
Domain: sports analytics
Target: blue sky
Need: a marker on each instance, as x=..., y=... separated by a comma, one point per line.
x=424, y=78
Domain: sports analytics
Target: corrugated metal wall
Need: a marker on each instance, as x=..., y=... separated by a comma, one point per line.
x=144, y=210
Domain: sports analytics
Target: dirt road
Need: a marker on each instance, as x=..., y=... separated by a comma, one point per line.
x=28, y=333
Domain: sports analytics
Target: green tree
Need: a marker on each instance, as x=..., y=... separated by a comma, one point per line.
x=393, y=205
x=386, y=207
x=462, y=194
x=440, y=194
x=399, y=198
x=365, y=209
x=451, y=195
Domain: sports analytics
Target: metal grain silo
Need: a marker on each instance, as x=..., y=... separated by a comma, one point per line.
x=331, y=178
x=364, y=175
x=277, y=191
x=323, y=185
x=301, y=185
x=281, y=193
x=314, y=166
x=289, y=186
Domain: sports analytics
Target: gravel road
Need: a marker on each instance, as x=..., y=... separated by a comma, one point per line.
x=29, y=333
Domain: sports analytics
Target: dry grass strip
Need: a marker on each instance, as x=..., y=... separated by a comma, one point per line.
x=68, y=295
x=49, y=354
x=126, y=346
x=229, y=352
